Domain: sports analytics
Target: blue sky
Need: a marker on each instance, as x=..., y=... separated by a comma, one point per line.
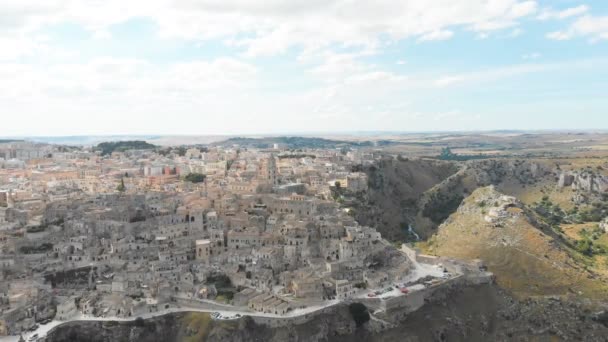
x=237, y=67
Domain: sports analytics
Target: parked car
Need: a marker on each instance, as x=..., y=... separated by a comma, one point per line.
x=371, y=294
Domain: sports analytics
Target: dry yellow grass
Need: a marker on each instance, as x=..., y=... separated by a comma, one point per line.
x=573, y=231
x=198, y=326
x=524, y=259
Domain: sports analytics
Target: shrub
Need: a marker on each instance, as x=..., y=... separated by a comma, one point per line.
x=585, y=247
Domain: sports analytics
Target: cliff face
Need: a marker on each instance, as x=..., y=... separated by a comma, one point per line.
x=585, y=180
x=171, y=327
x=480, y=313
x=198, y=327
x=395, y=186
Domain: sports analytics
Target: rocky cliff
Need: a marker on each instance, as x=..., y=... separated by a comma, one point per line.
x=480, y=313
x=395, y=187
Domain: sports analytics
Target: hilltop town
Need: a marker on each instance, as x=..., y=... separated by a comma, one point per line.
x=123, y=232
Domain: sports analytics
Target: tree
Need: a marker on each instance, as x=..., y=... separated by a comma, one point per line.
x=139, y=322
x=181, y=151
x=446, y=154
x=121, y=187
x=584, y=246
x=195, y=177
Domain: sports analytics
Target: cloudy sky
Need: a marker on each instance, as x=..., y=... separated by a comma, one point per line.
x=78, y=67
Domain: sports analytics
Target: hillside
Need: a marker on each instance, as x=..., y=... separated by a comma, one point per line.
x=424, y=192
x=511, y=176
x=523, y=253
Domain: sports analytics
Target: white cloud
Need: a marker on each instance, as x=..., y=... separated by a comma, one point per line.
x=548, y=13
x=491, y=75
x=332, y=39
x=127, y=95
x=522, y=9
x=18, y=45
x=334, y=67
x=271, y=27
x=102, y=34
x=436, y=35
x=123, y=81
x=591, y=27
x=375, y=76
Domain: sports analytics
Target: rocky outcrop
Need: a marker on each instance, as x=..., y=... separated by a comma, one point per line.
x=585, y=181
x=604, y=225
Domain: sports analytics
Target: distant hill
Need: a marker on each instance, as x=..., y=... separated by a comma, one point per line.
x=86, y=140
x=298, y=142
x=121, y=146
x=5, y=141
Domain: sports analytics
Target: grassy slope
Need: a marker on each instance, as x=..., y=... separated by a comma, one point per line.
x=525, y=259
x=597, y=263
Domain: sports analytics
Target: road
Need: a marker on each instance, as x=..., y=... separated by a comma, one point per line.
x=419, y=271
x=43, y=330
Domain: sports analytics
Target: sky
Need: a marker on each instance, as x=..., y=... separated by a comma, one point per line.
x=203, y=67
